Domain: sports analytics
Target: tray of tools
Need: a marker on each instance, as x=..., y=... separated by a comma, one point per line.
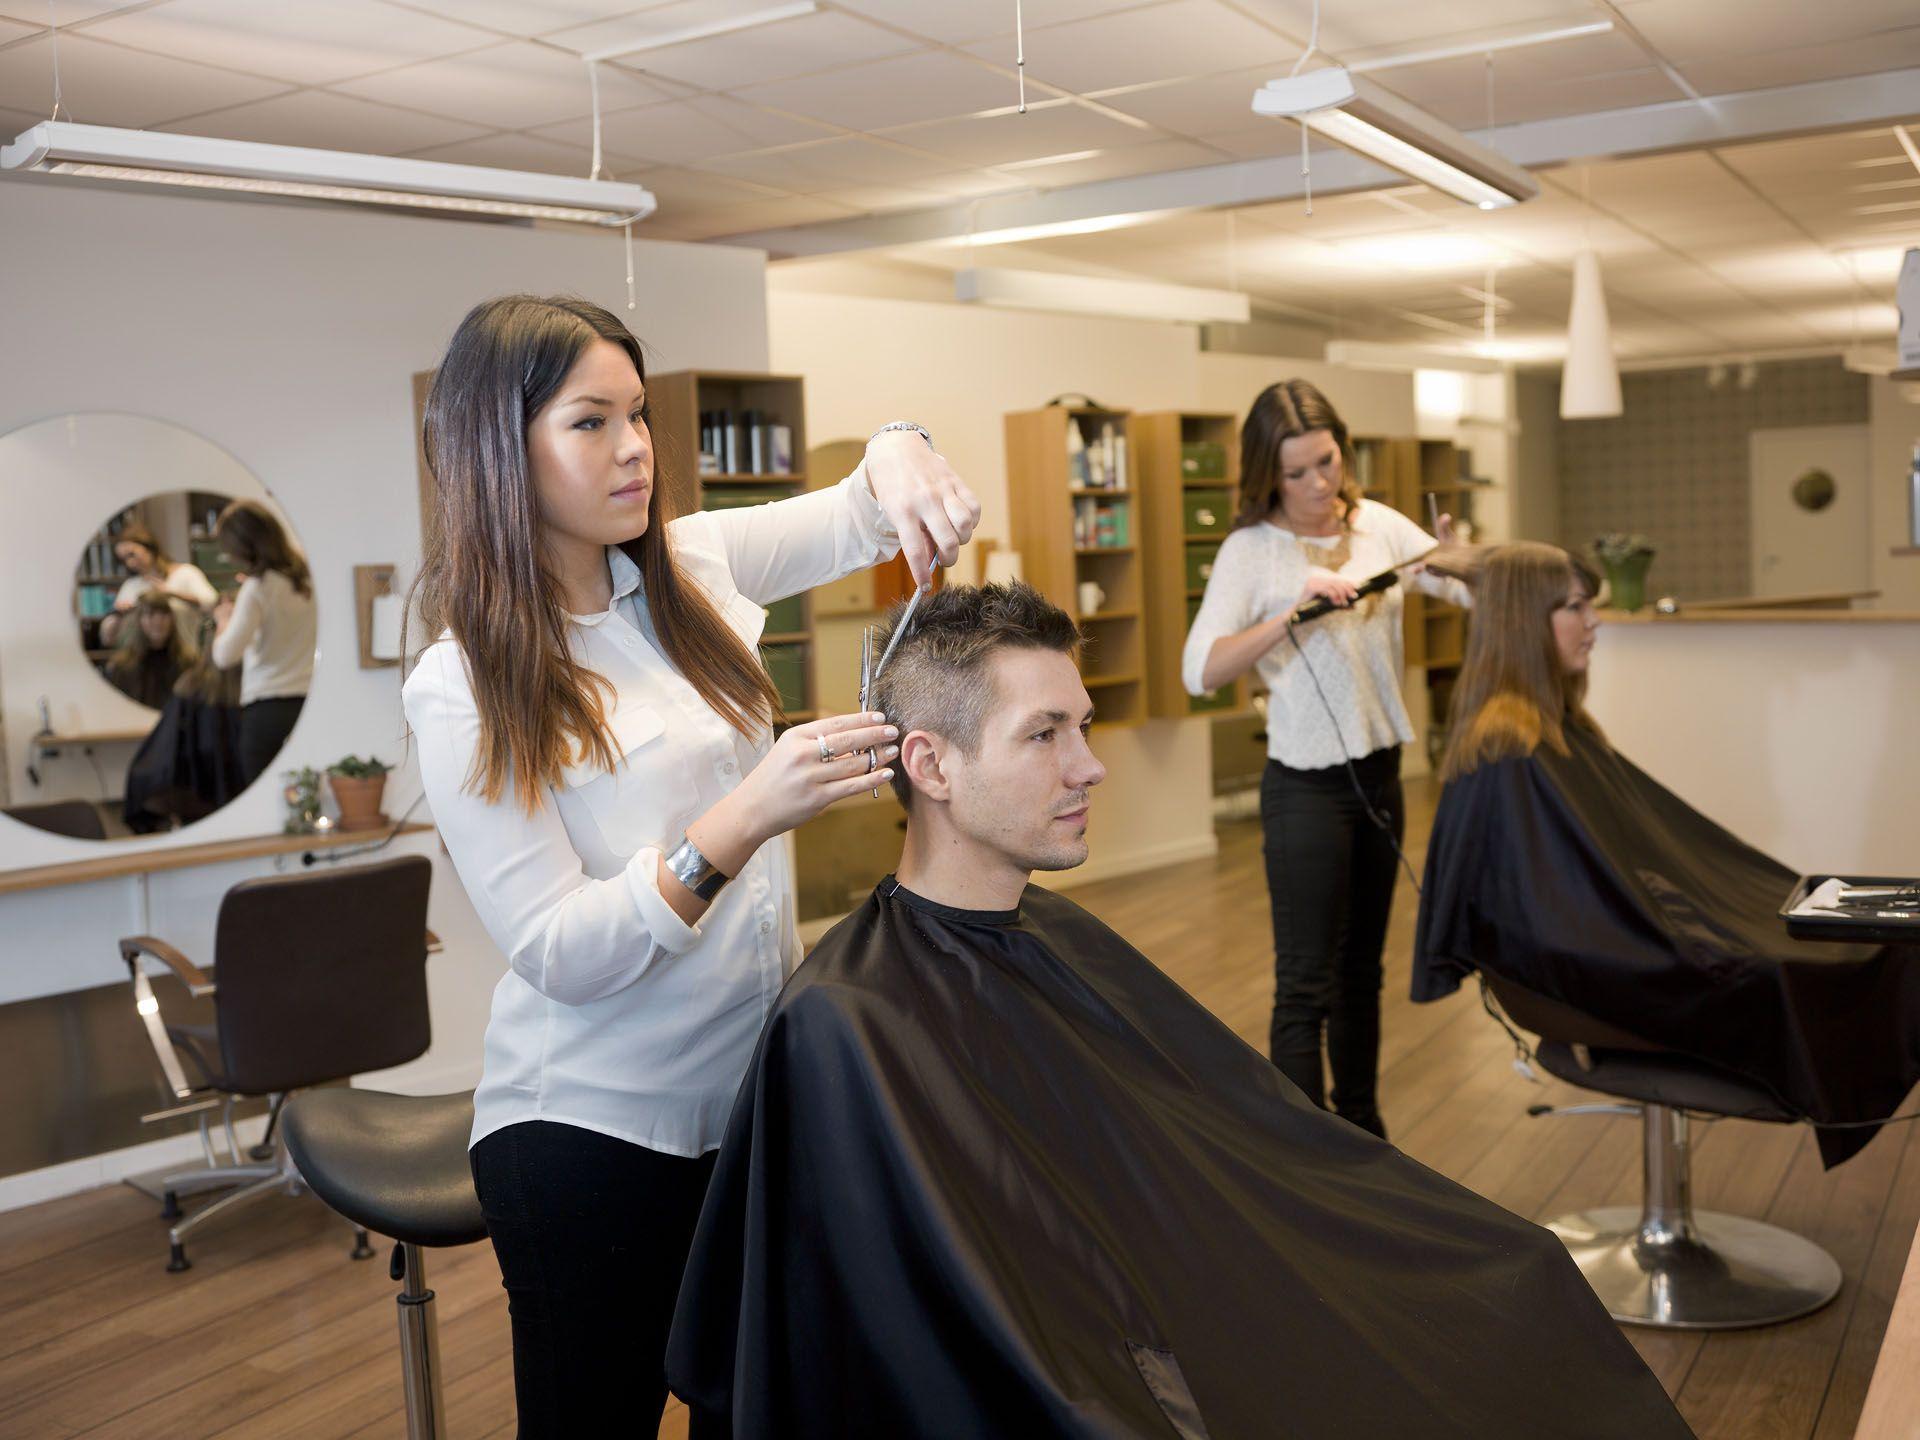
x=1883, y=909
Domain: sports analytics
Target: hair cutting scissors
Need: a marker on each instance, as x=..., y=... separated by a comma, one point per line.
x=870, y=672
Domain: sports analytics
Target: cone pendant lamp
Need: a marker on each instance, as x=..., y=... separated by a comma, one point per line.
x=1590, y=384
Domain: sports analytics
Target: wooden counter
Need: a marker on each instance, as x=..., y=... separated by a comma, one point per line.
x=1823, y=609
x=147, y=861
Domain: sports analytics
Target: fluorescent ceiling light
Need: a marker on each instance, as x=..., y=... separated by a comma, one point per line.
x=1092, y=225
x=660, y=40
x=1361, y=116
x=1097, y=295
x=196, y=162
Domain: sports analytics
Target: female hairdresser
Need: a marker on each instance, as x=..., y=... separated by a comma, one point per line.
x=269, y=631
x=1303, y=531
x=152, y=569
x=594, y=738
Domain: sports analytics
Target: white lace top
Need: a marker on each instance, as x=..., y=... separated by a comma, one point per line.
x=1358, y=655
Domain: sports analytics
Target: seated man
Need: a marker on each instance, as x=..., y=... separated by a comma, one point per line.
x=1557, y=864
x=993, y=1174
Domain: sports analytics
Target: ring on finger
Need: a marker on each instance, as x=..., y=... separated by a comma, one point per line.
x=826, y=750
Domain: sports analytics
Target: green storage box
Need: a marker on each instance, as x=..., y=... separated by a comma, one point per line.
x=1200, y=563
x=1203, y=460
x=1207, y=512
x=787, y=664
x=788, y=616
x=1193, y=610
x=733, y=497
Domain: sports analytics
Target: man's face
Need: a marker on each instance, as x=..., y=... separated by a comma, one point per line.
x=1023, y=794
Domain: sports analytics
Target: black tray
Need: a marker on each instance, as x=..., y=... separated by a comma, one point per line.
x=1843, y=927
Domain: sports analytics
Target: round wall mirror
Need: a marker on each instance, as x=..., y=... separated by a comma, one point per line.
x=157, y=633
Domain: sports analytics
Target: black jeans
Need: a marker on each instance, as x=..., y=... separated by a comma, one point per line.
x=1330, y=878
x=264, y=726
x=592, y=1234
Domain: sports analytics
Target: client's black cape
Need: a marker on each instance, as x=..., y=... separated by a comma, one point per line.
x=1582, y=879
x=993, y=1174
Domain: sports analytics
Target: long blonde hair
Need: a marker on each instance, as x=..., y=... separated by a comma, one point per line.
x=484, y=579
x=1514, y=694
x=1281, y=413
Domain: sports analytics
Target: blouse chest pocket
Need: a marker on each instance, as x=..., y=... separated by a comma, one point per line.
x=648, y=797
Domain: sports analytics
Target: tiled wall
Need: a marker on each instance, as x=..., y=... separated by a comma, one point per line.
x=1674, y=466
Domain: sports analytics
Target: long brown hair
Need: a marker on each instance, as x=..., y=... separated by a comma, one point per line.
x=1514, y=694
x=182, y=645
x=248, y=532
x=484, y=576
x=1281, y=413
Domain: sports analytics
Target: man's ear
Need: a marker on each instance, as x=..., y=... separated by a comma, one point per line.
x=922, y=760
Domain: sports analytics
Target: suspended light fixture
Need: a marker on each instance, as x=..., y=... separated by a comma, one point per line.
x=150, y=157
x=1590, y=383
x=1361, y=116
x=1099, y=295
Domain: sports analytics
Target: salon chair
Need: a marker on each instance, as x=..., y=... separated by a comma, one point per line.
x=1665, y=1264
x=317, y=978
x=77, y=818
x=396, y=1165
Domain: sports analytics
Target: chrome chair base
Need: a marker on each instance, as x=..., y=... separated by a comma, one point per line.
x=1716, y=1272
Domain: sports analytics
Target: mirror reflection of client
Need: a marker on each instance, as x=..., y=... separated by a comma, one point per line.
x=268, y=631
x=994, y=1174
x=1559, y=865
x=156, y=650
x=153, y=569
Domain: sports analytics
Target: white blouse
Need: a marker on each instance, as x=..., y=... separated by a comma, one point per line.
x=1358, y=655
x=271, y=636
x=187, y=581
x=614, y=1014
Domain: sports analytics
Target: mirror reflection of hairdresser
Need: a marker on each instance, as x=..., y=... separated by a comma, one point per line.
x=594, y=732
x=137, y=548
x=268, y=630
x=1304, y=531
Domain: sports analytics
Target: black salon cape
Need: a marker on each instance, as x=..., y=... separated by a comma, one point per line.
x=1581, y=878
x=994, y=1175
x=188, y=766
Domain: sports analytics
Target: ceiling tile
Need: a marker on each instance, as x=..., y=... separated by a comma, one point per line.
x=878, y=199
x=517, y=152
x=1352, y=30
x=1689, y=30
x=314, y=42
x=1158, y=42
x=514, y=86
x=822, y=41
x=71, y=12
x=1834, y=60
x=1210, y=105
x=1145, y=159
x=691, y=190
x=930, y=85
x=109, y=85
x=689, y=131
x=953, y=23
x=326, y=121
x=14, y=30
x=995, y=139
x=824, y=165
x=524, y=17
x=770, y=214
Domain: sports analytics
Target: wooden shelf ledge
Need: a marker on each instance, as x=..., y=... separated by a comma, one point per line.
x=151, y=860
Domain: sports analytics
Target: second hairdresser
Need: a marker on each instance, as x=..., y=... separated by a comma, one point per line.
x=594, y=735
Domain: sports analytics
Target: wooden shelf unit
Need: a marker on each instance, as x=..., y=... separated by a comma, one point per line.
x=1403, y=472
x=1043, y=491
x=676, y=401
x=1184, y=512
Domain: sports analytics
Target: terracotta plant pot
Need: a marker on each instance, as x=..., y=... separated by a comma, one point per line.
x=359, y=801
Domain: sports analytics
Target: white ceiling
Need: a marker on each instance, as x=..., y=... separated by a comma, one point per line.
x=871, y=106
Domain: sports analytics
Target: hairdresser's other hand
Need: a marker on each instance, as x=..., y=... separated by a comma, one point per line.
x=1443, y=531
x=1325, y=583
x=222, y=612
x=792, y=784
x=932, y=508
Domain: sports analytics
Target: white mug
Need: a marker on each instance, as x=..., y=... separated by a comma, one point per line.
x=1092, y=597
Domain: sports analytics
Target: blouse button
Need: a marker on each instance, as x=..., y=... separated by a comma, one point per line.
x=728, y=767
x=765, y=926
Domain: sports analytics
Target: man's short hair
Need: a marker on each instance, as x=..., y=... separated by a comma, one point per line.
x=939, y=680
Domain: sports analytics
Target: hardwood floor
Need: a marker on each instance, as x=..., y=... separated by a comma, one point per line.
x=276, y=1335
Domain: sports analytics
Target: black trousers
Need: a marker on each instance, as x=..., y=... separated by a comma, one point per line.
x=264, y=727
x=592, y=1234
x=1330, y=878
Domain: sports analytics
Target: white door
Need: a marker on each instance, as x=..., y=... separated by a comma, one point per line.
x=1810, y=510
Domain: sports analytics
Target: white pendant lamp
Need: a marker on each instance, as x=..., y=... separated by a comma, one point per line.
x=1590, y=384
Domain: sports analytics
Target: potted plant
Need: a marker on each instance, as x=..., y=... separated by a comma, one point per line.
x=303, y=800
x=357, y=787
x=1625, y=558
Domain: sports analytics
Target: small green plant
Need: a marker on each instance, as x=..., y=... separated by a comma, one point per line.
x=354, y=768
x=1618, y=548
x=303, y=800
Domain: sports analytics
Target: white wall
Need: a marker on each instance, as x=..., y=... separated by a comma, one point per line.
x=288, y=337
x=958, y=370
x=1894, y=430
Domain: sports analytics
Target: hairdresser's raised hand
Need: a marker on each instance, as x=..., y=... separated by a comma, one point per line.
x=813, y=765
x=1325, y=583
x=932, y=508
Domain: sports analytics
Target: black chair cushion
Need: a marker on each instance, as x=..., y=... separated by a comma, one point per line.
x=200, y=1044
x=1663, y=1078
x=396, y=1164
